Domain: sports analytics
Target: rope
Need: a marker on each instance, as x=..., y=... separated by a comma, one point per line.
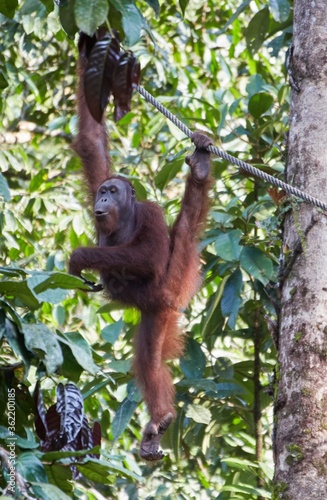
x=231, y=159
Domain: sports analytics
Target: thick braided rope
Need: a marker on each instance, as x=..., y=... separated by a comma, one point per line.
x=231, y=159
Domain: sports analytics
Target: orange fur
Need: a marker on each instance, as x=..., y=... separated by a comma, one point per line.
x=143, y=264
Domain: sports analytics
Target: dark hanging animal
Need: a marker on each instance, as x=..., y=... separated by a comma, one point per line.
x=141, y=261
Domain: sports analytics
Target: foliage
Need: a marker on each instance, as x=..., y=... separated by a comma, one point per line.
x=219, y=69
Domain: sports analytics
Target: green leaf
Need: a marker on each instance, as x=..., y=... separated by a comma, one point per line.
x=67, y=17
x=53, y=287
x=231, y=299
x=95, y=385
x=124, y=414
x=193, y=362
x=256, y=84
x=99, y=470
x=239, y=463
x=20, y=292
x=80, y=350
x=30, y=467
x=27, y=443
x=223, y=219
x=132, y=21
x=259, y=104
x=257, y=264
x=44, y=344
x=70, y=368
x=3, y=81
x=41, y=282
x=49, y=491
x=140, y=190
x=236, y=14
x=89, y=14
x=4, y=188
x=199, y=414
x=183, y=4
x=95, y=472
x=199, y=384
x=49, y=5
x=120, y=365
x=227, y=389
x=227, y=245
x=12, y=272
x=257, y=30
x=8, y=7
x=168, y=172
x=280, y=10
x=51, y=456
x=59, y=280
x=110, y=333
x=33, y=7
x=248, y=490
x=155, y=5
x=16, y=341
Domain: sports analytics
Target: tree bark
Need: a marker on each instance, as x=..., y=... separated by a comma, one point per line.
x=300, y=442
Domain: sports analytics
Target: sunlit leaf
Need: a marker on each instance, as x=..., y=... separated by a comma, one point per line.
x=193, y=361
x=199, y=414
x=50, y=456
x=132, y=20
x=99, y=470
x=4, y=188
x=239, y=463
x=227, y=389
x=201, y=67
x=257, y=264
x=89, y=14
x=81, y=351
x=50, y=491
x=255, y=85
x=20, y=292
x=199, y=384
x=110, y=333
x=280, y=10
x=43, y=343
x=227, y=245
x=51, y=294
x=31, y=467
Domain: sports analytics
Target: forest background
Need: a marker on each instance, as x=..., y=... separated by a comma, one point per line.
x=220, y=67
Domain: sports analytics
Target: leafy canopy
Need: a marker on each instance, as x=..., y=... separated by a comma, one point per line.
x=220, y=68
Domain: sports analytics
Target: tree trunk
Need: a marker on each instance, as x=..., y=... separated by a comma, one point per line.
x=301, y=401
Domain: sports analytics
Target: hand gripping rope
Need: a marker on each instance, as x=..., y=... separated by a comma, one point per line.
x=231, y=159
